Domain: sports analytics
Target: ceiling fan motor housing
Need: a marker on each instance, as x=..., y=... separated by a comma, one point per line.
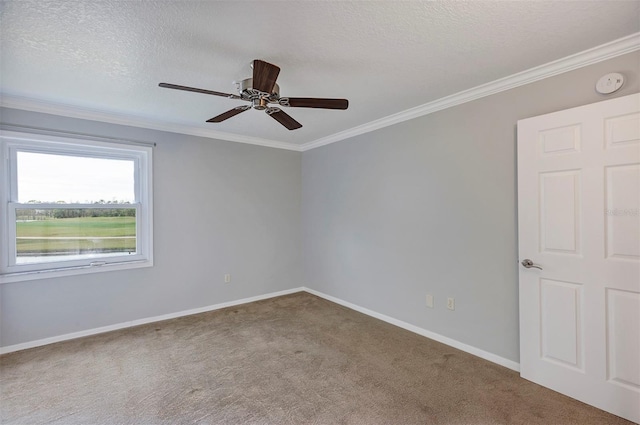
x=258, y=99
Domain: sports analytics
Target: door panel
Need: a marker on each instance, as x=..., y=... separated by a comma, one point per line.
x=561, y=322
x=624, y=130
x=579, y=219
x=622, y=196
x=560, y=212
x=560, y=140
x=623, y=341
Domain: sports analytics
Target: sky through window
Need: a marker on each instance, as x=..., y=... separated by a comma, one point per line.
x=72, y=179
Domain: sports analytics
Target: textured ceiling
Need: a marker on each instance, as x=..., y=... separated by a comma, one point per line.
x=385, y=57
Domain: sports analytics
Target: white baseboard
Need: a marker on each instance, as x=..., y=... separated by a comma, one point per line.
x=95, y=331
x=415, y=329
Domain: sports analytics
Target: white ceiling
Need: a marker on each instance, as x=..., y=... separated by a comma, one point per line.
x=385, y=57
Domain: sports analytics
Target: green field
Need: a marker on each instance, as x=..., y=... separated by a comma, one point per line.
x=96, y=234
x=81, y=226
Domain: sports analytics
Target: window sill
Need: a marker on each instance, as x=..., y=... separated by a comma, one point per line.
x=71, y=271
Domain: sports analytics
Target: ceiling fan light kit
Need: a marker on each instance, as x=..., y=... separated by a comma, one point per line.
x=262, y=90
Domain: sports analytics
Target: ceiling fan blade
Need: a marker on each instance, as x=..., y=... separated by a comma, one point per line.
x=230, y=113
x=283, y=118
x=313, y=102
x=193, y=89
x=264, y=76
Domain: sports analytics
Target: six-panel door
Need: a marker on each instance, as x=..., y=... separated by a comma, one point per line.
x=579, y=219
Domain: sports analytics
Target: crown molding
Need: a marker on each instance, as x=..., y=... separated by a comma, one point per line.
x=600, y=53
x=33, y=105
x=596, y=54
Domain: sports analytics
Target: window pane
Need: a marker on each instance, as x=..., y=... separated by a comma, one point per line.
x=47, y=178
x=68, y=234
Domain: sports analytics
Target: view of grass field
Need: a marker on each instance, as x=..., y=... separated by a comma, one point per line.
x=79, y=226
x=73, y=235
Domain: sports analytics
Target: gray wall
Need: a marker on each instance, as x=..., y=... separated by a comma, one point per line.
x=429, y=206
x=219, y=207
x=425, y=206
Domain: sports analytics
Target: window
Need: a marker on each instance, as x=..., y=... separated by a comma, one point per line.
x=73, y=206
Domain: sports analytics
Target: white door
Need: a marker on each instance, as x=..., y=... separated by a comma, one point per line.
x=579, y=220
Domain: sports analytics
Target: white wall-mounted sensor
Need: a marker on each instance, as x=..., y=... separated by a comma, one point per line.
x=610, y=83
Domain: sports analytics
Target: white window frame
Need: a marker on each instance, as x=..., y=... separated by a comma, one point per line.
x=12, y=142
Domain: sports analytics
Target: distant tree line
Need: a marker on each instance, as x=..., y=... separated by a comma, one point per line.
x=110, y=212
x=49, y=213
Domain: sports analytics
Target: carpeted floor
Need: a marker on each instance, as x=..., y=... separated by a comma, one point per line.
x=296, y=359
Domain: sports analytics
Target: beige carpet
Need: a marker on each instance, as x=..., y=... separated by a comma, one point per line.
x=296, y=359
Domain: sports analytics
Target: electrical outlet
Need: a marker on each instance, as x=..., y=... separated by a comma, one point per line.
x=429, y=300
x=227, y=278
x=451, y=303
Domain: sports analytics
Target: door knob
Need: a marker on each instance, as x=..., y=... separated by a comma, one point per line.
x=530, y=264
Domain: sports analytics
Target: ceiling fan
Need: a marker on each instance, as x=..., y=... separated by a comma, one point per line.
x=262, y=90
